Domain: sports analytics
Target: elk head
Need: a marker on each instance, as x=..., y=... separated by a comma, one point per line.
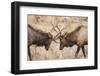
x=63, y=40
x=48, y=42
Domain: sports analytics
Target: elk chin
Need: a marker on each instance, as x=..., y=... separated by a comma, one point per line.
x=47, y=45
x=61, y=47
x=46, y=48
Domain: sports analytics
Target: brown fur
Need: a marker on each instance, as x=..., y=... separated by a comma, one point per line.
x=75, y=37
x=38, y=38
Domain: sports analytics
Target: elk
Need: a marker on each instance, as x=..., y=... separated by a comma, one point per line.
x=77, y=37
x=38, y=38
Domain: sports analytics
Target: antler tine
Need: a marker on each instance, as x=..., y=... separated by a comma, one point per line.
x=59, y=33
x=58, y=28
x=62, y=29
x=55, y=37
x=55, y=40
x=54, y=28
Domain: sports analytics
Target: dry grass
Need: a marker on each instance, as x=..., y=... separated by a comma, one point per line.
x=44, y=23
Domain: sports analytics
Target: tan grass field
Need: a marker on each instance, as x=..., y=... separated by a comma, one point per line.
x=70, y=23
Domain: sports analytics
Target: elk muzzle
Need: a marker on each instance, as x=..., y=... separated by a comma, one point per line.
x=48, y=42
x=61, y=47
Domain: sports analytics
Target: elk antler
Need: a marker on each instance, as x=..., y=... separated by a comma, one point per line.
x=53, y=28
x=59, y=34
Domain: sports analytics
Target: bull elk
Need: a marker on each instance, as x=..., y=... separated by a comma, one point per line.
x=38, y=38
x=78, y=36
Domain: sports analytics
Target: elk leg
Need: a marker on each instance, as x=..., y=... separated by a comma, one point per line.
x=83, y=51
x=29, y=53
x=78, y=49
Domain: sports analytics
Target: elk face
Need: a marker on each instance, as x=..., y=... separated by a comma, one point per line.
x=48, y=42
x=63, y=41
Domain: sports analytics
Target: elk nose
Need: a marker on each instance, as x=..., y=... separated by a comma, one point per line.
x=60, y=48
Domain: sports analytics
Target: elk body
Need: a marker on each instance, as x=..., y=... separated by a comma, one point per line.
x=78, y=37
x=38, y=38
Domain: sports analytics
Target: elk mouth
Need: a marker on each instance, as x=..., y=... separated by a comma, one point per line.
x=61, y=47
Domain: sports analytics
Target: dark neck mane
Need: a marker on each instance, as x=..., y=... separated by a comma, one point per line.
x=73, y=32
x=77, y=29
x=36, y=30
